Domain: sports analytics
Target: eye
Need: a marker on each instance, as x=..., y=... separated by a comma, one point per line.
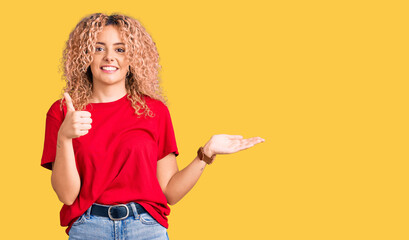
x=121, y=50
x=99, y=49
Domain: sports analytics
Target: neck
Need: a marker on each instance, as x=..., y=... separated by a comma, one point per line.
x=107, y=94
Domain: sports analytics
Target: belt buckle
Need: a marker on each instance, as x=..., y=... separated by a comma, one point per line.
x=121, y=218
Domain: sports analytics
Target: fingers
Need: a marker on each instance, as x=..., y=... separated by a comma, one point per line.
x=85, y=120
x=81, y=117
x=239, y=137
x=252, y=140
x=236, y=137
x=256, y=139
x=76, y=123
x=68, y=100
x=249, y=142
x=83, y=132
x=84, y=114
x=85, y=127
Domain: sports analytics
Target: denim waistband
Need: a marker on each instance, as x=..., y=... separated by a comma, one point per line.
x=117, y=212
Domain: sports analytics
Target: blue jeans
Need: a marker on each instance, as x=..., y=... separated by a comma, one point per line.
x=140, y=226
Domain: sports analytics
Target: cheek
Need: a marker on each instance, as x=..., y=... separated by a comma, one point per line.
x=94, y=69
x=94, y=65
x=124, y=71
x=125, y=66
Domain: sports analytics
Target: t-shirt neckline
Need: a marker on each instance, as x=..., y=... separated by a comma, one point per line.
x=112, y=103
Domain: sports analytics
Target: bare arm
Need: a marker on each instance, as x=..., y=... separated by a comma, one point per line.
x=176, y=184
x=65, y=179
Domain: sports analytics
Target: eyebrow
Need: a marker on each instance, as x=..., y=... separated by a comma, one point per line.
x=118, y=43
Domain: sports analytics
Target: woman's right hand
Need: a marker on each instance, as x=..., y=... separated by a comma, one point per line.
x=76, y=123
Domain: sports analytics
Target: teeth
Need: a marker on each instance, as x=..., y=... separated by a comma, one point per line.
x=109, y=68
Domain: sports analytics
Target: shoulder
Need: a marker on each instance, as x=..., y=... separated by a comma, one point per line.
x=55, y=110
x=155, y=105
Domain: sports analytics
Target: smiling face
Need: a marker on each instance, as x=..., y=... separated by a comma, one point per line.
x=109, y=65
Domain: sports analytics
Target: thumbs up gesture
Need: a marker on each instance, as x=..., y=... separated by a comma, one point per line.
x=76, y=123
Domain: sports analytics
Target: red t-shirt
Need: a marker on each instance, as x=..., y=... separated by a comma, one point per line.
x=116, y=160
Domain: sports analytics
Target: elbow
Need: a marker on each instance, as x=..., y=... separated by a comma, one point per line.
x=67, y=202
x=171, y=201
x=67, y=199
x=65, y=195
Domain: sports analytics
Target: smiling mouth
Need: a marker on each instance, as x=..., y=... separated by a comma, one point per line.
x=109, y=69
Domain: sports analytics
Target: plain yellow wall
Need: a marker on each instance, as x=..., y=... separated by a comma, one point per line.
x=325, y=83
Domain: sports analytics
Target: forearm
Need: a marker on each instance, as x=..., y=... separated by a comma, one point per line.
x=65, y=178
x=183, y=181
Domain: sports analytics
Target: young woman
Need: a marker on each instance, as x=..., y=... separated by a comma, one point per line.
x=109, y=140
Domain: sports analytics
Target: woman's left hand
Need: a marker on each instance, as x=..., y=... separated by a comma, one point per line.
x=225, y=144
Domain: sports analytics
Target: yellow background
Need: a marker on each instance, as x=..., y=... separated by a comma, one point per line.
x=325, y=83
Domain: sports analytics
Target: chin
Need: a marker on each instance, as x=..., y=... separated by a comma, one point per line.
x=111, y=82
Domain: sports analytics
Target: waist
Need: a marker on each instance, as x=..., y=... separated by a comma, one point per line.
x=117, y=212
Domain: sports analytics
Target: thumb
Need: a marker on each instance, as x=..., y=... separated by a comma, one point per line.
x=68, y=100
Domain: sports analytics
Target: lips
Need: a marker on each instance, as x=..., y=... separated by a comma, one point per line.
x=109, y=69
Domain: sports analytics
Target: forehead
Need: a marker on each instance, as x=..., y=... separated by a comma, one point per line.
x=109, y=34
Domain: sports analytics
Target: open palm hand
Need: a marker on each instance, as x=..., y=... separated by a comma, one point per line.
x=225, y=144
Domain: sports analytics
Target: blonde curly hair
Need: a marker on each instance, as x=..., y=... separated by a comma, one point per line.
x=142, y=79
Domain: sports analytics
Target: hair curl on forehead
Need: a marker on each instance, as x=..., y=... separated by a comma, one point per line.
x=142, y=78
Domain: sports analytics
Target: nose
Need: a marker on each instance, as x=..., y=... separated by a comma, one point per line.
x=109, y=56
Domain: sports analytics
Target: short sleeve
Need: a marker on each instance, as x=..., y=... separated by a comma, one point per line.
x=54, y=119
x=166, y=134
